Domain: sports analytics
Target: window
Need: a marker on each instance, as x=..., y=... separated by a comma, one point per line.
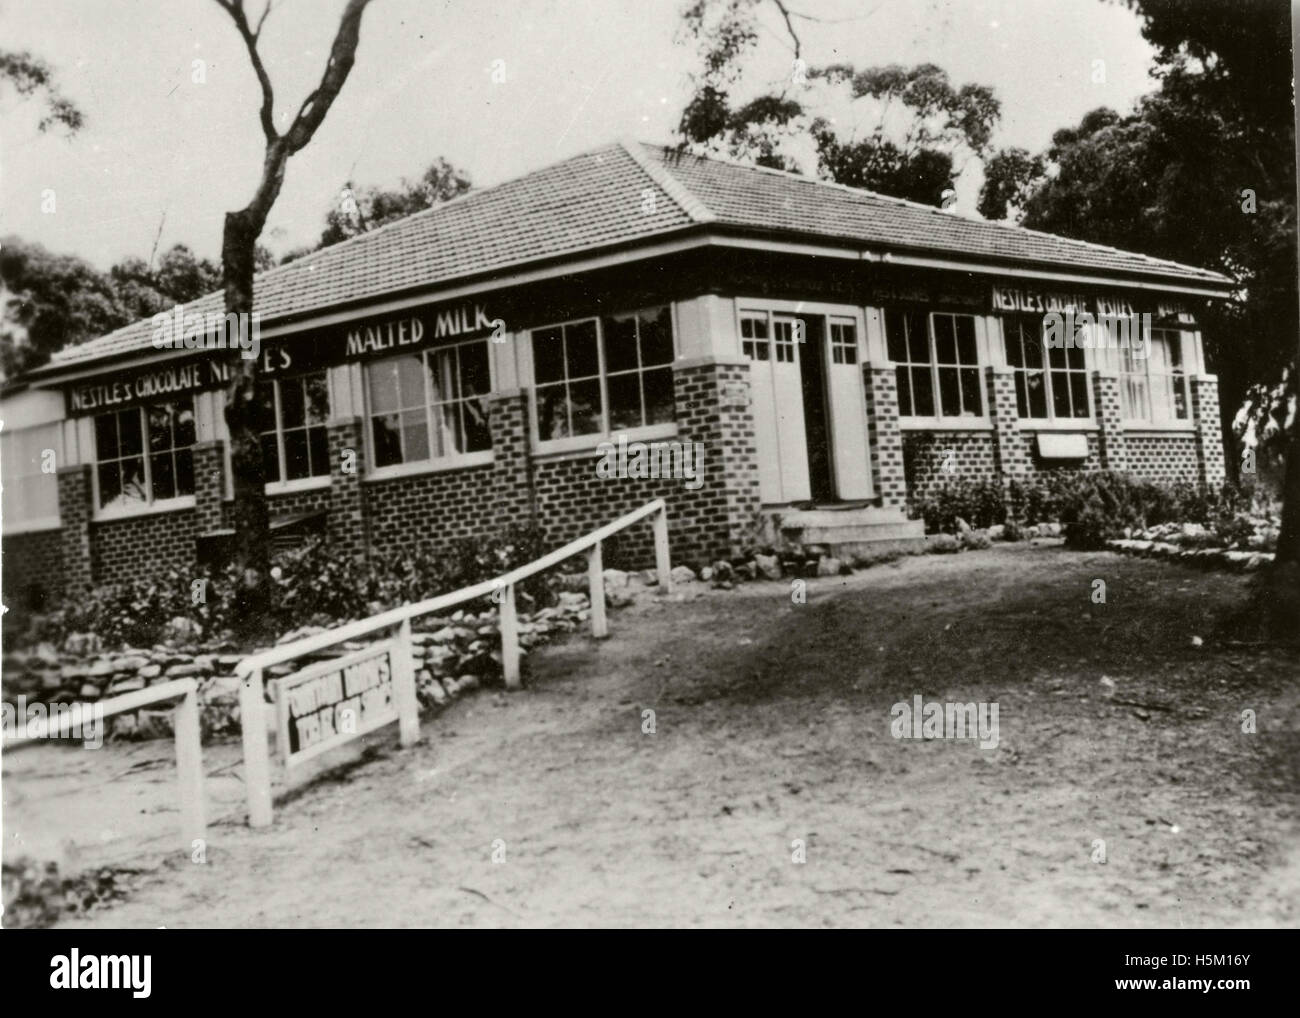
x=753, y=336
x=844, y=342
x=598, y=376
x=31, y=487
x=1155, y=387
x=295, y=446
x=430, y=406
x=1051, y=387
x=936, y=363
x=143, y=455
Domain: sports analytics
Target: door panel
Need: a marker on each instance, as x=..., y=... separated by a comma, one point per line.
x=778, y=407
x=787, y=386
x=848, y=411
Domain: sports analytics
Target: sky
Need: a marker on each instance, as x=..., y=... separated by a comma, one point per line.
x=163, y=156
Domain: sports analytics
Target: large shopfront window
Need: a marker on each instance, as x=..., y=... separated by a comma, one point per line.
x=295, y=446
x=936, y=361
x=143, y=454
x=1155, y=388
x=1051, y=384
x=430, y=407
x=602, y=375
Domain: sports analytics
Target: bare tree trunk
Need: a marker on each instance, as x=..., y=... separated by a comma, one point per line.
x=244, y=423
x=244, y=413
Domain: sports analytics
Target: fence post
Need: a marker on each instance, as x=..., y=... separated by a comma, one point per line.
x=257, y=765
x=596, y=582
x=510, y=638
x=408, y=707
x=189, y=768
x=663, y=566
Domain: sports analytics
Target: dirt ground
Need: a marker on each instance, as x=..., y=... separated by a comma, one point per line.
x=772, y=723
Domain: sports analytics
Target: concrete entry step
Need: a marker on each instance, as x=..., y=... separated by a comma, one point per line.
x=851, y=533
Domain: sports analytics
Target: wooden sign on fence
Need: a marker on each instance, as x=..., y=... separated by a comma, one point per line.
x=334, y=702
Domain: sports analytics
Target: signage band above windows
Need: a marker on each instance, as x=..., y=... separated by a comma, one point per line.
x=1021, y=299
x=377, y=339
x=352, y=341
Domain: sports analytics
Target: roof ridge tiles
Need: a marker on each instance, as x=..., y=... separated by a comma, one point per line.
x=687, y=200
x=862, y=192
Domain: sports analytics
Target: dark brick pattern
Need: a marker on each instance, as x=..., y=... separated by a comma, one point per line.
x=1112, y=447
x=1209, y=431
x=347, y=516
x=32, y=563
x=1012, y=448
x=513, y=500
x=952, y=455
x=1164, y=457
x=428, y=510
x=888, y=479
x=209, y=485
x=140, y=546
x=74, y=516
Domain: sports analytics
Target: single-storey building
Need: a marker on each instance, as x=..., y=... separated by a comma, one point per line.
x=817, y=352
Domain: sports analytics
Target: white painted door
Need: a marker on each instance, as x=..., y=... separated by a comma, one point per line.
x=771, y=344
x=848, y=410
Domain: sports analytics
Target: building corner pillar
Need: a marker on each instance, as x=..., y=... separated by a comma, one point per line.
x=713, y=405
x=1010, y=450
x=888, y=477
x=347, y=518
x=1209, y=431
x=513, y=501
x=1112, y=452
x=209, y=485
x=75, y=509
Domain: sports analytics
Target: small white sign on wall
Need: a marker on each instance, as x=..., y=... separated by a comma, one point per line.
x=1062, y=447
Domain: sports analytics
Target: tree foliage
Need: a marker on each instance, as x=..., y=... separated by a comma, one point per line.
x=359, y=211
x=29, y=75
x=907, y=130
x=51, y=301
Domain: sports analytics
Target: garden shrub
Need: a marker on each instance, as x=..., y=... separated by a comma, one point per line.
x=980, y=503
x=309, y=585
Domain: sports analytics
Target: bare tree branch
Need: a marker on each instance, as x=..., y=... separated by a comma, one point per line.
x=342, y=55
x=235, y=8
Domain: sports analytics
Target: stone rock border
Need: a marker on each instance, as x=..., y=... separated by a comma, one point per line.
x=1214, y=558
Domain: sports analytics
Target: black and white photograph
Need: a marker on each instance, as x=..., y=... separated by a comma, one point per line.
x=637, y=465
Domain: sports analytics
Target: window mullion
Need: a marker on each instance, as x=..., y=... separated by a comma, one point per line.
x=276, y=422
x=144, y=455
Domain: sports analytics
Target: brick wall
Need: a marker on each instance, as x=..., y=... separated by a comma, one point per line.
x=1212, y=469
x=139, y=546
x=1112, y=442
x=32, y=565
x=348, y=526
x=888, y=477
x=74, y=517
x=428, y=510
x=1163, y=457
x=937, y=458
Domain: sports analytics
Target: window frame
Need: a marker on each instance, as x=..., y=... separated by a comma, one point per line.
x=1149, y=379
x=1012, y=324
x=284, y=486
x=938, y=421
x=480, y=457
x=151, y=505
x=589, y=442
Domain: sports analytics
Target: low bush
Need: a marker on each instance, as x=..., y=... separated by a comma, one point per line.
x=310, y=585
x=980, y=503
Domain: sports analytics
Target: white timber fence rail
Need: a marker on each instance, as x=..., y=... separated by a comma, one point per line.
x=185, y=725
x=397, y=624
